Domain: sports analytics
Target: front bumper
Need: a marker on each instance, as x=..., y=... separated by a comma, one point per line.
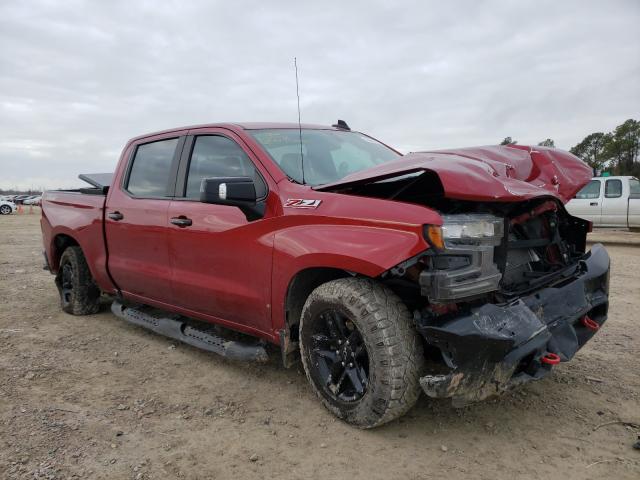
x=494, y=348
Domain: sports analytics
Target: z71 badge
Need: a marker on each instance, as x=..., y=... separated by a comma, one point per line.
x=301, y=203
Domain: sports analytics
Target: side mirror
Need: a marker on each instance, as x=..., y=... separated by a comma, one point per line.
x=234, y=191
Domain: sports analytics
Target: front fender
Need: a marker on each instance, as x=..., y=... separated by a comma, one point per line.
x=362, y=249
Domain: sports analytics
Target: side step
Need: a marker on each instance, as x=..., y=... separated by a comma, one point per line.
x=177, y=328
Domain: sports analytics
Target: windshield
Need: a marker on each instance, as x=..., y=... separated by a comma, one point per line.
x=329, y=155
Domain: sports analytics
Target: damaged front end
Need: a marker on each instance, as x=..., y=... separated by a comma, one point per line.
x=507, y=289
x=508, y=292
x=494, y=347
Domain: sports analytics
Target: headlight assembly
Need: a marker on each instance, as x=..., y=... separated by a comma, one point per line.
x=466, y=230
x=463, y=266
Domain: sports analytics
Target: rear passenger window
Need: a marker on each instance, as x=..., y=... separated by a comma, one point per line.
x=217, y=156
x=590, y=190
x=149, y=174
x=613, y=189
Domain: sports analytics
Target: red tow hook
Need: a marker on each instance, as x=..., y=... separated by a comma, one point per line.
x=590, y=323
x=550, y=359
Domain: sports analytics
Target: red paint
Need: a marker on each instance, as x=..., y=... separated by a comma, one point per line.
x=79, y=217
x=492, y=173
x=225, y=269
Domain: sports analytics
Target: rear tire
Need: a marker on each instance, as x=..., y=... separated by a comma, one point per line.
x=372, y=379
x=79, y=294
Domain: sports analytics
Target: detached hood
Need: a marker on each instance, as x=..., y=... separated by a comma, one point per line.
x=491, y=173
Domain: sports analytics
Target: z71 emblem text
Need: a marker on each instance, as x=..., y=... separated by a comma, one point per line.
x=301, y=203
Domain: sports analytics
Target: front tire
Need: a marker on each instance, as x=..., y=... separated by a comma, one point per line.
x=360, y=351
x=79, y=294
x=5, y=210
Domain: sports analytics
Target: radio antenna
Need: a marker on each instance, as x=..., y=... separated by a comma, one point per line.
x=295, y=64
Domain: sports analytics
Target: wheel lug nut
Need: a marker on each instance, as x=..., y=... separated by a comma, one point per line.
x=351, y=365
x=343, y=364
x=339, y=342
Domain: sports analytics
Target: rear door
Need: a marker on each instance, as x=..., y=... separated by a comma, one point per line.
x=221, y=261
x=633, y=214
x=587, y=203
x=136, y=219
x=614, y=203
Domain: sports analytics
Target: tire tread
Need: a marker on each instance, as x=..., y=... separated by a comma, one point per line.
x=387, y=323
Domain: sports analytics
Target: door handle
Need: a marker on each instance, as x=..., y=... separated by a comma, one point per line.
x=181, y=221
x=594, y=204
x=117, y=216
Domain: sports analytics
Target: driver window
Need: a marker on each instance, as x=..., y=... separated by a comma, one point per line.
x=218, y=156
x=591, y=190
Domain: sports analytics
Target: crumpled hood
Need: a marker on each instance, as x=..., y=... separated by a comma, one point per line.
x=490, y=173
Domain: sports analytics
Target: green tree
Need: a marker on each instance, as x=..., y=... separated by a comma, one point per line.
x=624, y=147
x=593, y=149
x=547, y=143
x=508, y=141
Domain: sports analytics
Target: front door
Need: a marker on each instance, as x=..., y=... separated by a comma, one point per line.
x=221, y=261
x=587, y=203
x=136, y=220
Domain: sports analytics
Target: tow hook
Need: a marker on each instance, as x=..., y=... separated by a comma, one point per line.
x=550, y=359
x=590, y=323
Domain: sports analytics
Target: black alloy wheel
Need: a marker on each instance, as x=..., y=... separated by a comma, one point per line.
x=339, y=356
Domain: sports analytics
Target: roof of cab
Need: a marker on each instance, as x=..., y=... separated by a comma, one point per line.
x=239, y=125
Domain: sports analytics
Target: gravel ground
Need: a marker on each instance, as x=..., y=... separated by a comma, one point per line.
x=95, y=397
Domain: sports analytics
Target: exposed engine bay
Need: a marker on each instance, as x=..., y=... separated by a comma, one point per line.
x=493, y=251
x=515, y=248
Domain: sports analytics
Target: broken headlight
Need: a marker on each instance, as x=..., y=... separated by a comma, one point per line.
x=463, y=266
x=464, y=230
x=471, y=229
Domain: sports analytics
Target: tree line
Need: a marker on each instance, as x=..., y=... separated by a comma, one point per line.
x=616, y=151
x=17, y=191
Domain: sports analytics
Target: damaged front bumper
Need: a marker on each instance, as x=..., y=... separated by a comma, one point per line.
x=494, y=348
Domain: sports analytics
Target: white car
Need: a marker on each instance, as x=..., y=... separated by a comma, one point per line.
x=7, y=207
x=608, y=202
x=33, y=200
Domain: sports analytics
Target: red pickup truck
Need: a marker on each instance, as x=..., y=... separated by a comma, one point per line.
x=456, y=272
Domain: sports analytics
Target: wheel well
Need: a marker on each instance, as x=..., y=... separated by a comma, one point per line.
x=300, y=287
x=60, y=243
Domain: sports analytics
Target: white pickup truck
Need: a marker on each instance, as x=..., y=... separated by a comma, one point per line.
x=608, y=202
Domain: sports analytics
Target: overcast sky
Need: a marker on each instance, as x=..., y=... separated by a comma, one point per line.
x=77, y=79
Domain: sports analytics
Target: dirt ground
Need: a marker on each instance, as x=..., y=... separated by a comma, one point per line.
x=95, y=397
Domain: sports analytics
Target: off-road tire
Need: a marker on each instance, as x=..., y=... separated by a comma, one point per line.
x=396, y=357
x=84, y=295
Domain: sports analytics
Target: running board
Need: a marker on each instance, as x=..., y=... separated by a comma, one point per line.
x=177, y=328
